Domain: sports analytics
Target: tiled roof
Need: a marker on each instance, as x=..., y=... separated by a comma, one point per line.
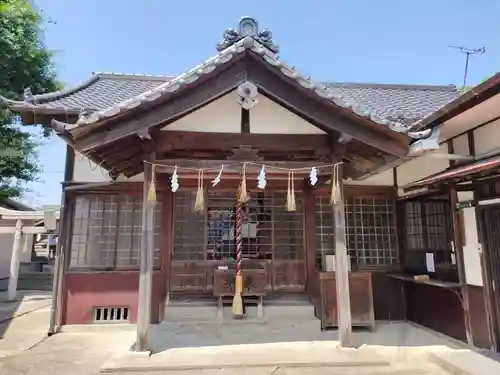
x=406, y=103
x=107, y=94
x=101, y=91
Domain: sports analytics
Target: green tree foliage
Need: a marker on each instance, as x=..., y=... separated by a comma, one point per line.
x=24, y=62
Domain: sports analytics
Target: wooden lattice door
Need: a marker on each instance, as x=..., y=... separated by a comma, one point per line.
x=271, y=235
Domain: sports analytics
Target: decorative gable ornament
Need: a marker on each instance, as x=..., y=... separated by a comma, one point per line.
x=248, y=27
x=247, y=94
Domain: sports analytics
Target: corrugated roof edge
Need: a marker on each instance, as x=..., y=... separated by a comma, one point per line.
x=137, y=76
x=41, y=98
x=392, y=86
x=223, y=57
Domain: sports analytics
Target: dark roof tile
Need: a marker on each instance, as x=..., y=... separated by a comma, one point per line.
x=103, y=91
x=404, y=103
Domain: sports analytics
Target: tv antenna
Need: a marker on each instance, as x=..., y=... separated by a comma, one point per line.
x=468, y=52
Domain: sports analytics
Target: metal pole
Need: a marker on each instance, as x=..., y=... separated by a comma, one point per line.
x=15, y=261
x=146, y=265
x=342, y=269
x=467, y=55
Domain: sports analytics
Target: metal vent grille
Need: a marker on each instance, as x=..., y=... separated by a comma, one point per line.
x=110, y=314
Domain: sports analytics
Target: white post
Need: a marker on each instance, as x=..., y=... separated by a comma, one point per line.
x=15, y=261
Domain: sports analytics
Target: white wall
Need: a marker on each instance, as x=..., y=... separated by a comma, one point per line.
x=487, y=138
x=421, y=167
x=87, y=171
x=382, y=179
x=472, y=260
x=220, y=116
x=461, y=145
x=267, y=117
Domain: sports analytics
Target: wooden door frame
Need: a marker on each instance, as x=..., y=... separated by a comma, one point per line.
x=493, y=322
x=270, y=264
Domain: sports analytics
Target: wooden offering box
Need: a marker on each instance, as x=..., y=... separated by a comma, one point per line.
x=360, y=287
x=254, y=279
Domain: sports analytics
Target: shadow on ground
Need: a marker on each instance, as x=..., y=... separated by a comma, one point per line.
x=27, y=301
x=166, y=336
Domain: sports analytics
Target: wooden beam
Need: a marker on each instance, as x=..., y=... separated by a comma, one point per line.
x=342, y=272
x=245, y=121
x=146, y=260
x=25, y=230
x=230, y=166
x=309, y=231
x=183, y=140
x=209, y=89
x=62, y=253
x=457, y=247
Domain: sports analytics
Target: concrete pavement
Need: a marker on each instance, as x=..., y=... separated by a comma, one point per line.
x=392, y=349
x=24, y=322
x=25, y=348
x=67, y=353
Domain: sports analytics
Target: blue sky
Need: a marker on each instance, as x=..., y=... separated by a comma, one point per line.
x=383, y=41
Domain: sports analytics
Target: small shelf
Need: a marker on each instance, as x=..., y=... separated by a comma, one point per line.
x=433, y=282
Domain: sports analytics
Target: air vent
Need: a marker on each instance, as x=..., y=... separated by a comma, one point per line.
x=110, y=314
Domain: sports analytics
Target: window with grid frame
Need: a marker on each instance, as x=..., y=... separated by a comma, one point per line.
x=371, y=234
x=427, y=225
x=199, y=236
x=107, y=229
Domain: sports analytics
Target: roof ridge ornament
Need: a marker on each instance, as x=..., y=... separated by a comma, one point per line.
x=248, y=27
x=28, y=95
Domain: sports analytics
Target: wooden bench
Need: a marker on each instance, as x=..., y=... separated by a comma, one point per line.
x=254, y=284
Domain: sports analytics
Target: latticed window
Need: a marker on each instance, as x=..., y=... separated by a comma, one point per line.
x=325, y=229
x=268, y=230
x=427, y=224
x=106, y=231
x=426, y=229
x=371, y=235
x=375, y=234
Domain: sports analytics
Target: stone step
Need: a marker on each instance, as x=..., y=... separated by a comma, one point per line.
x=205, y=312
x=237, y=357
x=266, y=370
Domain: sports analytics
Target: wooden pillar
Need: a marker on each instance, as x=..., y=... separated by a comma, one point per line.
x=309, y=231
x=146, y=261
x=457, y=247
x=15, y=261
x=167, y=243
x=342, y=270
x=61, y=262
